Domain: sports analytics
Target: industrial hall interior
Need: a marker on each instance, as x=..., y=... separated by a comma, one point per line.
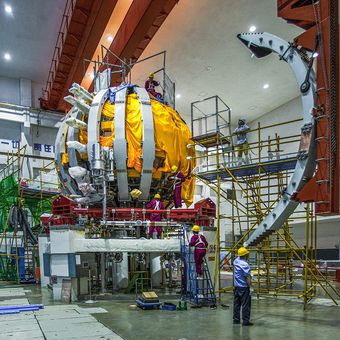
x=169, y=169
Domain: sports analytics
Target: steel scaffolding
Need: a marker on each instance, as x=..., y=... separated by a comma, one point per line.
x=245, y=193
x=18, y=255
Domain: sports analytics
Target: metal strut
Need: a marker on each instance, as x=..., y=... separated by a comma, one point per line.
x=120, y=146
x=148, y=143
x=93, y=145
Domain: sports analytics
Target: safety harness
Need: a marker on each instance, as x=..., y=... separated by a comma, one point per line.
x=200, y=241
x=156, y=206
x=177, y=181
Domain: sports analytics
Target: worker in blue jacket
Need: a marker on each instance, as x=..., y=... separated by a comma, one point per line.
x=242, y=283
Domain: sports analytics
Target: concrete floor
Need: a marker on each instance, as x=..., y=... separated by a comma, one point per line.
x=274, y=319
x=54, y=321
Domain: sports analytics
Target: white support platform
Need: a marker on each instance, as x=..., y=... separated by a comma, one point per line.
x=67, y=243
x=66, y=240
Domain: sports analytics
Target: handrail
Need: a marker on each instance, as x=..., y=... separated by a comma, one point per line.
x=63, y=29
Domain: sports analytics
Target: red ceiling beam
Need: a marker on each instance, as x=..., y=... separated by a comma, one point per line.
x=87, y=23
x=140, y=24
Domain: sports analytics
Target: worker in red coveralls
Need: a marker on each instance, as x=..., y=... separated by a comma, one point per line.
x=150, y=86
x=178, y=178
x=200, y=243
x=155, y=204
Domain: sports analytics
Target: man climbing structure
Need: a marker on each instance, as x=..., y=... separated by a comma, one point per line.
x=155, y=204
x=177, y=178
x=151, y=84
x=200, y=243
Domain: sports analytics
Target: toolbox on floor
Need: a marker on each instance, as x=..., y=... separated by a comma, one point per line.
x=147, y=305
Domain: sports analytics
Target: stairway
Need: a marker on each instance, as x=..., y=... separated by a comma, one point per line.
x=199, y=291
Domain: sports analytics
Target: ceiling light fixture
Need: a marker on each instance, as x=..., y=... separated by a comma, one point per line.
x=315, y=54
x=110, y=38
x=8, y=9
x=178, y=96
x=265, y=86
x=7, y=56
x=252, y=28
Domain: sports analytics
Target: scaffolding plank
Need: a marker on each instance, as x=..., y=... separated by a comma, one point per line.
x=251, y=169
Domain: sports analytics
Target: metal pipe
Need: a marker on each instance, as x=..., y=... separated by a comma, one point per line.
x=102, y=272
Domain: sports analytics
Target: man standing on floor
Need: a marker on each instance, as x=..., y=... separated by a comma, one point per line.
x=242, y=283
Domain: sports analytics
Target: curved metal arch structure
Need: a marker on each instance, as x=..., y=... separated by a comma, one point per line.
x=60, y=148
x=262, y=44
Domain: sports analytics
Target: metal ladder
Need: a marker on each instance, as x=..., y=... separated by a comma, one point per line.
x=27, y=274
x=199, y=291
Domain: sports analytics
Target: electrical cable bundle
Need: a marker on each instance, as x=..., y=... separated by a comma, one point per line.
x=18, y=221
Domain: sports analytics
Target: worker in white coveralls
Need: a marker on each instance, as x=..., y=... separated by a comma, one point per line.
x=242, y=146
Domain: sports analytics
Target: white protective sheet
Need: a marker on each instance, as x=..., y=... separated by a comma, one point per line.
x=126, y=245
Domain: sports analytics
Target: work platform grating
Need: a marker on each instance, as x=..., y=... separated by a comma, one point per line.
x=37, y=192
x=250, y=169
x=211, y=139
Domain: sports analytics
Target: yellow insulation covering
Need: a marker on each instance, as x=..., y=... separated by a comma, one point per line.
x=82, y=136
x=134, y=132
x=64, y=155
x=106, y=139
x=171, y=135
x=64, y=159
x=106, y=125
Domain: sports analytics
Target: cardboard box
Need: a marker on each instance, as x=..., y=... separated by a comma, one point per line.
x=149, y=296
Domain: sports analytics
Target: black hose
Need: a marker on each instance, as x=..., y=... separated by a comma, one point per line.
x=13, y=218
x=18, y=221
x=26, y=226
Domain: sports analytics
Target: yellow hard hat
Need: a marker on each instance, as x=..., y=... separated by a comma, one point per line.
x=157, y=196
x=242, y=251
x=174, y=168
x=151, y=75
x=196, y=228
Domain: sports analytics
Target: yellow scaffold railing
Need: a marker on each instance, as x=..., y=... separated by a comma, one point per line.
x=246, y=192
